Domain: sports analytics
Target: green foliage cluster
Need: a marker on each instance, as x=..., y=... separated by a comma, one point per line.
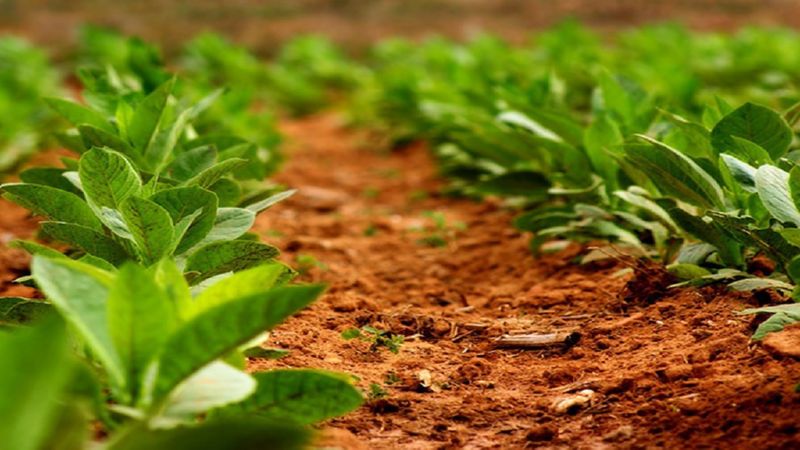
x=25, y=77
x=159, y=291
x=668, y=143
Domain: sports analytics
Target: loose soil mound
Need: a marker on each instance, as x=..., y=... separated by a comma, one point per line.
x=653, y=368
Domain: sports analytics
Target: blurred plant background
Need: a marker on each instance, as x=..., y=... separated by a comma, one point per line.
x=264, y=25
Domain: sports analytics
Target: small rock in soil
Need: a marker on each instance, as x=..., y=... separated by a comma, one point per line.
x=540, y=433
x=784, y=343
x=620, y=434
x=573, y=403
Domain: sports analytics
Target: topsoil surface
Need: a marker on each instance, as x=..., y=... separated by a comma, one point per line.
x=653, y=368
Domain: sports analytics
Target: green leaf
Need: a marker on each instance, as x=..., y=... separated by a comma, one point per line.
x=742, y=172
x=214, y=386
x=238, y=433
x=33, y=383
x=150, y=226
x=675, y=174
x=171, y=279
x=772, y=185
x=302, y=396
x=601, y=138
x=518, y=183
x=80, y=115
x=748, y=151
x=240, y=284
x=222, y=329
x=183, y=201
x=79, y=292
x=757, y=124
x=20, y=310
x=49, y=176
x=191, y=162
x=231, y=223
x=52, y=203
x=782, y=316
x=228, y=256
x=148, y=114
x=94, y=137
x=209, y=176
x=266, y=203
x=86, y=239
x=794, y=185
x=107, y=178
x=140, y=317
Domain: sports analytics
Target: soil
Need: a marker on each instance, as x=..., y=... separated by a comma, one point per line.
x=653, y=368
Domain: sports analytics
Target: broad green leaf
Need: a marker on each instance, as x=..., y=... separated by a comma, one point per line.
x=172, y=281
x=230, y=223
x=302, y=396
x=228, y=256
x=744, y=230
x=33, y=384
x=34, y=248
x=684, y=271
x=238, y=433
x=80, y=115
x=754, y=284
x=80, y=292
x=676, y=174
x=86, y=239
x=150, y=226
x=140, y=317
x=729, y=249
x=107, y=178
x=20, y=310
x=742, y=172
x=209, y=176
x=183, y=201
x=266, y=203
x=94, y=137
x=222, y=329
x=240, y=284
x=601, y=138
x=54, y=204
x=782, y=316
x=648, y=206
x=518, y=183
x=794, y=185
x=697, y=138
x=772, y=185
x=755, y=123
x=49, y=176
x=214, y=386
x=748, y=151
x=148, y=114
x=191, y=162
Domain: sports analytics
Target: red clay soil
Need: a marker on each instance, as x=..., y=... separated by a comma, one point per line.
x=653, y=368
x=676, y=373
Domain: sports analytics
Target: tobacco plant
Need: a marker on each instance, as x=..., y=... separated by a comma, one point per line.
x=163, y=356
x=146, y=187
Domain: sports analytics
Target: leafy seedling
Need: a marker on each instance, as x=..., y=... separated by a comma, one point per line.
x=377, y=338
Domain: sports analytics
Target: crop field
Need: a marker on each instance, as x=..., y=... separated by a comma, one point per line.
x=583, y=236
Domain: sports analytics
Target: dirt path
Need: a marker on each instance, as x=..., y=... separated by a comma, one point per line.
x=678, y=373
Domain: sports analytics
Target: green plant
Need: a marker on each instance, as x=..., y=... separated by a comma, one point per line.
x=441, y=232
x=158, y=346
x=143, y=190
x=25, y=77
x=377, y=338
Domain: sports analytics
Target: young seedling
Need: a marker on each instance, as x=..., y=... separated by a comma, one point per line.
x=377, y=338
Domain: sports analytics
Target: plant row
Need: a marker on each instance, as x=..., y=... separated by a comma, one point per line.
x=672, y=145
